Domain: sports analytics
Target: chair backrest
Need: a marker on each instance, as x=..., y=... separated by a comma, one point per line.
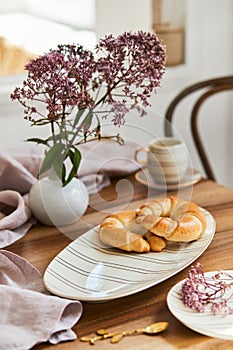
x=207, y=88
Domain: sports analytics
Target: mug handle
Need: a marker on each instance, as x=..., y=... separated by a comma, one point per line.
x=137, y=151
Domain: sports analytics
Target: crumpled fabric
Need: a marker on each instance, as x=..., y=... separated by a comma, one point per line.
x=19, y=170
x=29, y=314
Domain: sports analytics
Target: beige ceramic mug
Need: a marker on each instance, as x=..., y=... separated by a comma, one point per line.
x=167, y=159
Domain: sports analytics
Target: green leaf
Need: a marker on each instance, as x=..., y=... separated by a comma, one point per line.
x=75, y=158
x=40, y=122
x=88, y=119
x=38, y=141
x=58, y=166
x=78, y=116
x=52, y=156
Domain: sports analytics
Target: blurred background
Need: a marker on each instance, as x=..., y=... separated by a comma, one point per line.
x=199, y=39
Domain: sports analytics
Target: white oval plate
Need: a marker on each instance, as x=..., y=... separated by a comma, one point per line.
x=89, y=270
x=206, y=323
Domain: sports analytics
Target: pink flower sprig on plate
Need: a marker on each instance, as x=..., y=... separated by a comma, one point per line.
x=200, y=290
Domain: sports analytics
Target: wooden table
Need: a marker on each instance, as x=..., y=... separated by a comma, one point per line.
x=43, y=243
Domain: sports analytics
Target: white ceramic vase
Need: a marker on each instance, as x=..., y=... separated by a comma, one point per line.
x=54, y=205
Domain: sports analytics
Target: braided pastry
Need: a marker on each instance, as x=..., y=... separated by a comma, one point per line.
x=122, y=231
x=174, y=219
x=154, y=224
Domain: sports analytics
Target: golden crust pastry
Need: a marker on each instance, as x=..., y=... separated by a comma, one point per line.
x=157, y=244
x=153, y=224
x=173, y=219
x=122, y=231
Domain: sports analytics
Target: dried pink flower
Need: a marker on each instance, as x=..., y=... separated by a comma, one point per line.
x=67, y=86
x=198, y=291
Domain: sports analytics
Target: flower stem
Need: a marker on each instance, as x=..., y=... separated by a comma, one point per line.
x=53, y=132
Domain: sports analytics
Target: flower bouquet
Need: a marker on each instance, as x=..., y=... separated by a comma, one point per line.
x=67, y=87
x=72, y=90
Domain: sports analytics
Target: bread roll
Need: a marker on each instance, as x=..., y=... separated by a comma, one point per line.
x=174, y=219
x=122, y=231
x=153, y=225
x=157, y=244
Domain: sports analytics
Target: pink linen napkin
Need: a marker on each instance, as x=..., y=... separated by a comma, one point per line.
x=29, y=315
x=15, y=223
x=19, y=169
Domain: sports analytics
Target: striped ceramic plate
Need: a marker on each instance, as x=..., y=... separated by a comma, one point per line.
x=217, y=326
x=88, y=270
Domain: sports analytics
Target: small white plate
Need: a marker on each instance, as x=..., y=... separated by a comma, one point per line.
x=89, y=270
x=191, y=177
x=217, y=326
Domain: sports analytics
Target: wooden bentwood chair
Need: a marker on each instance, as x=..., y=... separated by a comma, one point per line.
x=208, y=88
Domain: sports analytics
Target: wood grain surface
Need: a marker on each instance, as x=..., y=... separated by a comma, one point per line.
x=43, y=243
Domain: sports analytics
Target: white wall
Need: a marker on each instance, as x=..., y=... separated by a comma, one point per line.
x=9, y=6
x=115, y=17
x=208, y=53
x=78, y=13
